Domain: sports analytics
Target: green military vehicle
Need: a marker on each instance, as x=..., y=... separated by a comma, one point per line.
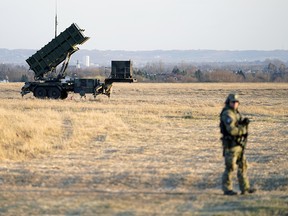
x=56, y=85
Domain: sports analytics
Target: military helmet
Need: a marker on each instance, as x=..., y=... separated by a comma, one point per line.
x=232, y=98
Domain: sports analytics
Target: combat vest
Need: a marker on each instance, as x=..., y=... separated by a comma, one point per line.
x=228, y=139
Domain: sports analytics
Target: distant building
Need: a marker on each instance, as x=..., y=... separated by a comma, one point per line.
x=5, y=80
x=87, y=61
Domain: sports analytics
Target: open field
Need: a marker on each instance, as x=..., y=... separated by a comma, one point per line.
x=151, y=149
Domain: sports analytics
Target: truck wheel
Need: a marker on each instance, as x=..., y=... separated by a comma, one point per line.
x=64, y=95
x=40, y=92
x=54, y=93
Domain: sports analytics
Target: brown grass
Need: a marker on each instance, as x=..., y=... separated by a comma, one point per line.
x=149, y=149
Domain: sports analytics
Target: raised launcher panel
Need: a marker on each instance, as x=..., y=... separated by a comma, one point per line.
x=121, y=71
x=56, y=51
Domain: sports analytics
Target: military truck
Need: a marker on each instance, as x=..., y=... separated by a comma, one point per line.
x=56, y=85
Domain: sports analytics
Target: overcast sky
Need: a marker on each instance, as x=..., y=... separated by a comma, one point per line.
x=149, y=24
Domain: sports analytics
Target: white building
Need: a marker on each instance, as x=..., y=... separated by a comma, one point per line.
x=87, y=61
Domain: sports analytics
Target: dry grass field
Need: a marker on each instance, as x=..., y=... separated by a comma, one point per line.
x=151, y=149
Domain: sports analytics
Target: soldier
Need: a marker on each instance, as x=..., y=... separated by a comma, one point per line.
x=234, y=131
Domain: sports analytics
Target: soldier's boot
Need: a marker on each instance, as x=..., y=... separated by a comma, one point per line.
x=248, y=191
x=230, y=193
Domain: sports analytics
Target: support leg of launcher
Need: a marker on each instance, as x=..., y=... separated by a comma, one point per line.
x=108, y=89
x=105, y=89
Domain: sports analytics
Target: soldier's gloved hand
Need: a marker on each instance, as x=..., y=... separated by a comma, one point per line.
x=245, y=121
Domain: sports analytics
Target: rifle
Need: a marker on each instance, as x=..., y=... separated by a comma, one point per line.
x=244, y=138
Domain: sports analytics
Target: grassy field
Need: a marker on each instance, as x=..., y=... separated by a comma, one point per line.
x=151, y=149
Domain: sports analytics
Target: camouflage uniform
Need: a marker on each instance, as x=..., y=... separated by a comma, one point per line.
x=232, y=140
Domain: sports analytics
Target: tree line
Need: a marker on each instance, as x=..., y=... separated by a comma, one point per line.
x=267, y=71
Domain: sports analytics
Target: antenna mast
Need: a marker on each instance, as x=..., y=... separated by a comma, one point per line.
x=56, y=21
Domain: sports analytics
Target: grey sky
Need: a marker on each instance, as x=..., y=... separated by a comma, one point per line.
x=149, y=24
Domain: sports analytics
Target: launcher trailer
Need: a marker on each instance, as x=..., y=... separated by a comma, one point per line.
x=56, y=85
